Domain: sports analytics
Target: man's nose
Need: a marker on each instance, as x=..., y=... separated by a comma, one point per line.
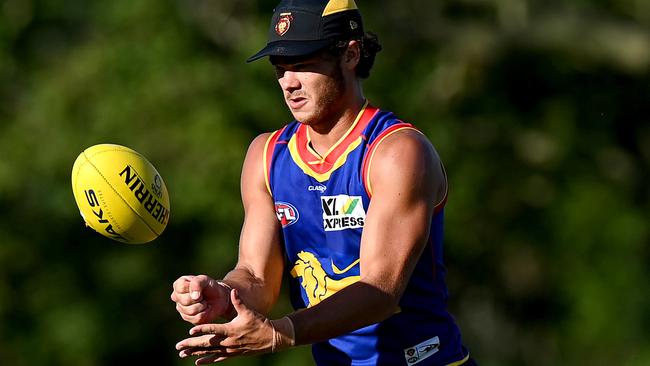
x=289, y=81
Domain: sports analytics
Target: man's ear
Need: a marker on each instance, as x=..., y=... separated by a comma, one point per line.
x=352, y=55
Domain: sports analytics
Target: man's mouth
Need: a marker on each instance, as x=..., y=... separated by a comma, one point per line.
x=296, y=102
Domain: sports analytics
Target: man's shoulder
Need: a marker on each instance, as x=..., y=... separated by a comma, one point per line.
x=406, y=140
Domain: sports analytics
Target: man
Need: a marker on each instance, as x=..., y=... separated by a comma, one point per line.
x=348, y=200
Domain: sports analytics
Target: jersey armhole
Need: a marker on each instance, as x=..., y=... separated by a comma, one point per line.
x=443, y=201
x=267, y=159
x=367, y=160
x=371, y=151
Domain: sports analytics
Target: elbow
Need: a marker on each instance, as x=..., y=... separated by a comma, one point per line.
x=390, y=305
x=384, y=297
x=387, y=304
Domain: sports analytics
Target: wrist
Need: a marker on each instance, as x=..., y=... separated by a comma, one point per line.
x=284, y=335
x=229, y=311
x=225, y=286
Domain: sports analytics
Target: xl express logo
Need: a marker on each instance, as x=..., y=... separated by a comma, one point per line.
x=342, y=212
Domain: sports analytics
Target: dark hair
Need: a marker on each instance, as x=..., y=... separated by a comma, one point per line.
x=369, y=47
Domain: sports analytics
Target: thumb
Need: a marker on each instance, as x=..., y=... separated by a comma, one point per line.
x=197, y=284
x=236, y=302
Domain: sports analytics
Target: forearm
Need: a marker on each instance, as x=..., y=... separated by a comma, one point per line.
x=355, y=306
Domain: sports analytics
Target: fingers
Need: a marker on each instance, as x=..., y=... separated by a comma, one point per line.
x=248, y=333
x=197, y=284
x=209, y=341
x=180, y=287
x=203, y=351
x=202, y=342
x=217, y=329
x=192, y=309
x=210, y=359
x=214, y=354
x=187, y=290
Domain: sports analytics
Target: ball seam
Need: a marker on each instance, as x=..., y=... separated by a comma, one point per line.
x=114, y=190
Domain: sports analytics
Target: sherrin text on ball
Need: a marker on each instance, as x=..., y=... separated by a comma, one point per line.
x=120, y=194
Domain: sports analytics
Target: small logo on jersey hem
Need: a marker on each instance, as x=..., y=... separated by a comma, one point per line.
x=342, y=212
x=287, y=213
x=422, y=350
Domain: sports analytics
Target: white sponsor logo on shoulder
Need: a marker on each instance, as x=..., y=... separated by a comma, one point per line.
x=422, y=351
x=342, y=212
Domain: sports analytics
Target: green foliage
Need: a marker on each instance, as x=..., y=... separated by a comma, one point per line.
x=539, y=110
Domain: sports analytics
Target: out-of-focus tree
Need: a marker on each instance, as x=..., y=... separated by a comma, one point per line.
x=538, y=108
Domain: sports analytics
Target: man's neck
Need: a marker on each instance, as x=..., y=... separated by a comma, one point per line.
x=323, y=137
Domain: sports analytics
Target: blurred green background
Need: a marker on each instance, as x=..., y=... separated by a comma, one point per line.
x=539, y=108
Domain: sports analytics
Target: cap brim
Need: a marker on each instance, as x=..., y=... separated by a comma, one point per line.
x=290, y=48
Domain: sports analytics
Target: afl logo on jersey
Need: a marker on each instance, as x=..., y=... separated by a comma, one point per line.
x=286, y=213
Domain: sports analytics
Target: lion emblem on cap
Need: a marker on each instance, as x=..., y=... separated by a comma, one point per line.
x=283, y=24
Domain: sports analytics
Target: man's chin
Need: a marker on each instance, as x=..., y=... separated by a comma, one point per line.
x=303, y=117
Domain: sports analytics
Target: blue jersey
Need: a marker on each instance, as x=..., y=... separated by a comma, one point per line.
x=321, y=202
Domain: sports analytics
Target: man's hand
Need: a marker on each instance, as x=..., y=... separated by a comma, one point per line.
x=201, y=299
x=249, y=333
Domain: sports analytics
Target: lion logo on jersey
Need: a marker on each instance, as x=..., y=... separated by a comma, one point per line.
x=317, y=283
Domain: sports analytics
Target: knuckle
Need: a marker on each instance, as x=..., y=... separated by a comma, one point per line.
x=187, y=310
x=229, y=342
x=202, y=280
x=192, y=310
x=184, y=300
x=191, y=319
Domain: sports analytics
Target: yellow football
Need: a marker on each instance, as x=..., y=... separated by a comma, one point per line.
x=120, y=194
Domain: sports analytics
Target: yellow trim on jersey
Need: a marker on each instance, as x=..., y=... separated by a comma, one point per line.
x=293, y=149
x=457, y=363
x=322, y=177
x=337, y=6
x=444, y=198
x=312, y=150
x=345, y=135
x=375, y=145
x=266, y=168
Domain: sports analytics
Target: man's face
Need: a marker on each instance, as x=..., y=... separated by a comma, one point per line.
x=312, y=86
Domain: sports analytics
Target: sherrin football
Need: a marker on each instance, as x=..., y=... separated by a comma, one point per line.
x=120, y=194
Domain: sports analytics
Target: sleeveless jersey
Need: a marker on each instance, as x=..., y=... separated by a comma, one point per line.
x=321, y=203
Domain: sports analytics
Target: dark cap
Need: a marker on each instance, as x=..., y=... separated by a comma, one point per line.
x=302, y=27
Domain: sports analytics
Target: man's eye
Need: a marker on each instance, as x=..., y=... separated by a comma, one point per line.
x=300, y=66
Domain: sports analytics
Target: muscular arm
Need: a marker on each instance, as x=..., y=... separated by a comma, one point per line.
x=406, y=178
x=407, y=181
x=258, y=273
